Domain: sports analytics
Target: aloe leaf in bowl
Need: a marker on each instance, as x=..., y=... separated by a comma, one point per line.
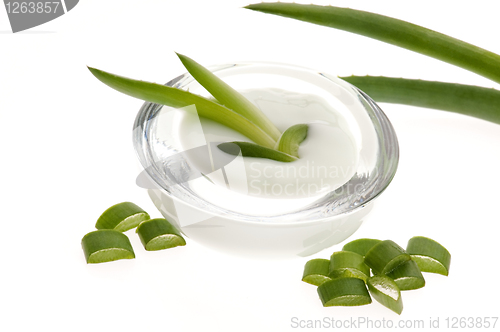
x=228, y=107
x=229, y=97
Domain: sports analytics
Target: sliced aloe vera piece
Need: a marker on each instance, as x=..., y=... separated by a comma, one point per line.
x=158, y=234
x=105, y=246
x=229, y=97
x=360, y=246
x=348, y=264
x=316, y=271
x=121, y=217
x=290, y=140
x=254, y=150
x=344, y=292
x=407, y=276
x=429, y=255
x=386, y=291
x=385, y=257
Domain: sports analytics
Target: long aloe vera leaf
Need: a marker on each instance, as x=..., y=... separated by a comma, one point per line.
x=479, y=102
x=393, y=31
x=161, y=94
x=229, y=97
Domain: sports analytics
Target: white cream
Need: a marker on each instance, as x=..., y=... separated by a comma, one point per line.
x=328, y=156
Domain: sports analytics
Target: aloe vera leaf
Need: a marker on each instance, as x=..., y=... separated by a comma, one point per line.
x=316, y=271
x=348, y=264
x=360, y=246
x=393, y=31
x=121, y=217
x=407, y=276
x=344, y=292
x=479, y=102
x=161, y=94
x=158, y=234
x=385, y=257
x=255, y=150
x=229, y=97
x=106, y=245
x=386, y=292
x=429, y=255
x=291, y=138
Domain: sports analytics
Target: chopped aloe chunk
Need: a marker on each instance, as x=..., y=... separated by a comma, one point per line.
x=344, y=292
x=407, y=276
x=158, y=234
x=106, y=245
x=316, y=271
x=347, y=273
x=348, y=264
x=121, y=217
x=429, y=255
x=385, y=257
x=386, y=291
x=361, y=246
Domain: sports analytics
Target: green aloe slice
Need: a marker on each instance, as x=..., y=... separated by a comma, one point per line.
x=316, y=271
x=344, y=292
x=385, y=257
x=161, y=94
x=290, y=140
x=479, y=102
x=429, y=255
x=105, y=246
x=348, y=264
x=255, y=150
x=121, y=217
x=386, y=291
x=407, y=276
x=392, y=31
x=229, y=97
x=360, y=246
x=158, y=234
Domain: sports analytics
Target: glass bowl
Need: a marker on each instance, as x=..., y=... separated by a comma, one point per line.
x=249, y=224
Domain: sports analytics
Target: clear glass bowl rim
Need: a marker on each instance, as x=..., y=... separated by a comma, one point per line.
x=386, y=134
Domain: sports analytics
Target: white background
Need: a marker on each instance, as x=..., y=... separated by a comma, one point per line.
x=67, y=155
